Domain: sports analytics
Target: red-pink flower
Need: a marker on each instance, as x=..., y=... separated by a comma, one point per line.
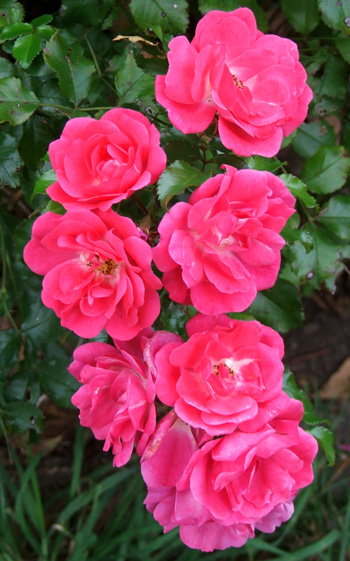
x=254, y=82
x=97, y=272
x=219, y=491
x=116, y=399
x=101, y=162
x=220, y=248
x=227, y=375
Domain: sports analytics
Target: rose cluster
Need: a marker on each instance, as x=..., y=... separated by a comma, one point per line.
x=222, y=452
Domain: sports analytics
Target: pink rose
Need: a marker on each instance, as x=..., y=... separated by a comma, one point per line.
x=101, y=162
x=227, y=375
x=116, y=399
x=224, y=489
x=97, y=272
x=254, y=82
x=223, y=246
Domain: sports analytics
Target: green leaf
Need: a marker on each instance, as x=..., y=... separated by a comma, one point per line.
x=16, y=102
x=333, y=81
x=291, y=388
x=12, y=10
x=42, y=20
x=310, y=136
x=86, y=12
x=37, y=134
x=15, y=30
x=26, y=48
x=10, y=344
x=319, y=266
x=46, y=31
x=10, y=160
x=7, y=69
x=328, y=254
x=336, y=14
x=21, y=416
x=150, y=58
x=261, y=163
x=54, y=206
x=132, y=84
x=41, y=324
x=343, y=45
x=336, y=216
x=302, y=14
x=292, y=235
x=57, y=382
x=279, y=307
x=298, y=189
x=206, y=6
x=16, y=386
x=176, y=178
x=327, y=107
x=45, y=181
x=73, y=69
x=177, y=148
x=326, y=170
x=324, y=438
x=168, y=16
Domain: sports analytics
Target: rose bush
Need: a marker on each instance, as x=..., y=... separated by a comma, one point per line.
x=101, y=162
x=97, y=272
x=116, y=399
x=220, y=248
x=254, y=82
x=221, y=490
x=227, y=375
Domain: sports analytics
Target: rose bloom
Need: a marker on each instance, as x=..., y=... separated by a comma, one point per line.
x=219, y=491
x=116, y=399
x=97, y=272
x=220, y=248
x=254, y=82
x=227, y=375
x=101, y=162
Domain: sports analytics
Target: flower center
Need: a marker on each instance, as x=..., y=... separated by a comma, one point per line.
x=94, y=262
x=237, y=82
x=225, y=370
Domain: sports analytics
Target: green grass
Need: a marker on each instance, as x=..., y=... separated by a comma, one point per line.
x=101, y=517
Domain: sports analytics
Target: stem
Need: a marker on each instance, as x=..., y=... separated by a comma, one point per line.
x=98, y=67
x=70, y=109
x=140, y=204
x=93, y=55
